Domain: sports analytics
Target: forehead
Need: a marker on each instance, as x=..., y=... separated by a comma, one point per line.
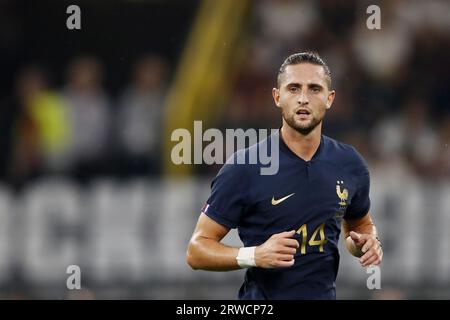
x=304, y=73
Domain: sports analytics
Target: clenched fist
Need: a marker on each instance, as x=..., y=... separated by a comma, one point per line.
x=278, y=251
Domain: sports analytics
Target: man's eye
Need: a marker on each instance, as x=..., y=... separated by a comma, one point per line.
x=293, y=89
x=315, y=90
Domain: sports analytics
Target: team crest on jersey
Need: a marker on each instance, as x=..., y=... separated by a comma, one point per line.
x=342, y=194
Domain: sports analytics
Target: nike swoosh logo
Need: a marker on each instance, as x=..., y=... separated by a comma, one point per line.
x=275, y=202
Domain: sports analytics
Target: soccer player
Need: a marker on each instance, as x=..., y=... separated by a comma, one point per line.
x=290, y=222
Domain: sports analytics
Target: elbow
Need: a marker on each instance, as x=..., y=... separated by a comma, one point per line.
x=191, y=259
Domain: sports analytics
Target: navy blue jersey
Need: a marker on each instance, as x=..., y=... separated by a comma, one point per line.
x=311, y=197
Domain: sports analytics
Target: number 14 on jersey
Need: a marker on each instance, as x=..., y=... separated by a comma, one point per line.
x=313, y=241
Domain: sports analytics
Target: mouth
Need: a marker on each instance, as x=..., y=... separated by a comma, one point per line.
x=303, y=113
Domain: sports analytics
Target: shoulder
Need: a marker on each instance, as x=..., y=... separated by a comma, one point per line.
x=346, y=156
x=237, y=166
x=248, y=159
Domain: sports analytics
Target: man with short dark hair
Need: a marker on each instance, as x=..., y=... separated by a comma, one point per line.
x=290, y=222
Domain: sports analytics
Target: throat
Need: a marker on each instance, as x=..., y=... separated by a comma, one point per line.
x=304, y=147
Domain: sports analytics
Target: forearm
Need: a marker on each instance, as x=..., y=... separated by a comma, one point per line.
x=208, y=254
x=367, y=228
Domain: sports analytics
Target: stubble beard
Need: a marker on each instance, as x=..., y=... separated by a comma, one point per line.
x=304, y=128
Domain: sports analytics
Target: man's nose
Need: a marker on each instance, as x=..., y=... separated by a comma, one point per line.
x=303, y=98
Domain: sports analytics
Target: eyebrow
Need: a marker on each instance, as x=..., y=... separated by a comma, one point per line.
x=298, y=85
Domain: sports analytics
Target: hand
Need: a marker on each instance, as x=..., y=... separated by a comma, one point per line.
x=368, y=248
x=277, y=252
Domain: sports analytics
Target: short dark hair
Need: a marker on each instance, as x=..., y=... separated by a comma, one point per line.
x=305, y=57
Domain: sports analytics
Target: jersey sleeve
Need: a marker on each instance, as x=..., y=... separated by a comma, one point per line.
x=360, y=202
x=227, y=201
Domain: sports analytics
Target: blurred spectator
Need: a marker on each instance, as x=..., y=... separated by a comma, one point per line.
x=429, y=68
x=409, y=135
x=281, y=26
x=42, y=129
x=252, y=93
x=90, y=116
x=396, y=44
x=416, y=14
x=138, y=120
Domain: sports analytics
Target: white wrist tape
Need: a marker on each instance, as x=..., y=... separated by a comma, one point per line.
x=246, y=257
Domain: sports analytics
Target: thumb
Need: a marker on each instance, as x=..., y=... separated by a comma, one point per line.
x=285, y=234
x=355, y=236
x=289, y=234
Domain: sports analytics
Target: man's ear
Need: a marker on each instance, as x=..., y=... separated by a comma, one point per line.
x=276, y=96
x=330, y=98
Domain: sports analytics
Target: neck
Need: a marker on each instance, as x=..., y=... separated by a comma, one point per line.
x=304, y=146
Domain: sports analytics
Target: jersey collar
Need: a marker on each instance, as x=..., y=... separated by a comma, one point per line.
x=285, y=149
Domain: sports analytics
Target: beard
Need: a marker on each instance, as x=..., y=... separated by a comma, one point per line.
x=303, y=127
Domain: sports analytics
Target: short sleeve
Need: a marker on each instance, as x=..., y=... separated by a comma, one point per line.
x=227, y=201
x=360, y=202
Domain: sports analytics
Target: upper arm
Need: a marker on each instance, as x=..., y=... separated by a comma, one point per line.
x=210, y=229
x=228, y=200
x=360, y=202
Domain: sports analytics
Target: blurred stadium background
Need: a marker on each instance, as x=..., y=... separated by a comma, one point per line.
x=86, y=117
